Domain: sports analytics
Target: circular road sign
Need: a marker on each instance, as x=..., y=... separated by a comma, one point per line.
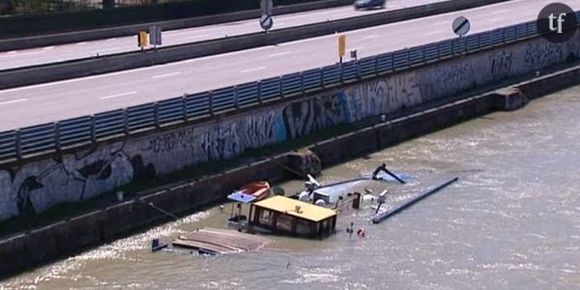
x=461, y=26
x=266, y=22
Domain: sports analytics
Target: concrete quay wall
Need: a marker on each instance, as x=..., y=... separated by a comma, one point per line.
x=77, y=176
x=66, y=237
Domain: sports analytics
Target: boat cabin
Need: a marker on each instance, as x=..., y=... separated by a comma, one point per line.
x=246, y=194
x=285, y=215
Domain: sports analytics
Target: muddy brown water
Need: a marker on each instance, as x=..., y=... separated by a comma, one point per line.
x=511, y=222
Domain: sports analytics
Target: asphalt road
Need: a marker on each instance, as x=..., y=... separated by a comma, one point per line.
x=43, y=103
x=58, y=53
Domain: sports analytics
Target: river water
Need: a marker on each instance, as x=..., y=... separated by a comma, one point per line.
x=512, y=221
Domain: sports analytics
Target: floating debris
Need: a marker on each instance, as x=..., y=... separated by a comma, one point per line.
x=384, y=215
x=217, y=241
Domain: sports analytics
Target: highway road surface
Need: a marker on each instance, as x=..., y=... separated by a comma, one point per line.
x=26, y=106
x=58, y=53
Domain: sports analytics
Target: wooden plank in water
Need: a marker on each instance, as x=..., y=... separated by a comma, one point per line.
x=221, y=241
x=218, y=240
x=201, y=246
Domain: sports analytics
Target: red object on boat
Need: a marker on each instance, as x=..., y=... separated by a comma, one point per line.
x=258, y=189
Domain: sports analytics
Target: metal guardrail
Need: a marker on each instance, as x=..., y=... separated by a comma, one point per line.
x=52, y=137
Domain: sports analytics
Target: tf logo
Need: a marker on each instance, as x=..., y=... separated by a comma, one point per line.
x=557, y=22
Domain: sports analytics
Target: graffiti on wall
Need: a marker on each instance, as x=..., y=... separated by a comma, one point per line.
x=304, y=118
x=168, y=142
x=39, y=185
x=403, y=91
x=232, y=137
x=454, y=75
x=382, y=96
x=501, y=64
x=543, y=54
x=211, y=141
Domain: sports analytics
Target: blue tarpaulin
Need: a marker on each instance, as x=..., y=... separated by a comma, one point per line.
x=241, y=197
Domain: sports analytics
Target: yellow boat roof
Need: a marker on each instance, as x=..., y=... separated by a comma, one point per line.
x=287, y=206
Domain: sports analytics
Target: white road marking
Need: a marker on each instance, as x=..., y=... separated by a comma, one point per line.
x=538, y=236
x=81, y=43
x=253, y=69
x=79, y=79
x=306, y=40
x=48, y=48
x=344, y=15
x=199, y=36
x=435, y=32
x=175, y=32
x=192, y=60
x=118, y=95
x=503, y=11
x=13, y=52
x=280, y=54
x=197, y=30
x=305, y=15
x=221, y=55
x=370, y=36
x=111, y=39
x=166, y=75
x=191, y=30
x=105, y=51
x=13, y=102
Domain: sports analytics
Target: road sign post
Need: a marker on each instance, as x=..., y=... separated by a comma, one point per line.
x=155, y=33
x=341, y=47
x=266, y=22
x=461, y=26
x=266, y=7
x=142, y=39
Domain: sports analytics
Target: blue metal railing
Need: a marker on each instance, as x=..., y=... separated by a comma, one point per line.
x=16, y=144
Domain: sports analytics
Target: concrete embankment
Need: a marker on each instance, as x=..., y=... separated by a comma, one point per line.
x=124, y=61
x=86, y=172
x=79, y=175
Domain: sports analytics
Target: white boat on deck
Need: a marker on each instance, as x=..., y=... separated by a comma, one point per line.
x=332, y=195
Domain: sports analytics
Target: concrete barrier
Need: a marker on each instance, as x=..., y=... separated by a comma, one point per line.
x=99, y=65
x=512, y=99
x=167, y=149
x=127, y=30
x=550, y=83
